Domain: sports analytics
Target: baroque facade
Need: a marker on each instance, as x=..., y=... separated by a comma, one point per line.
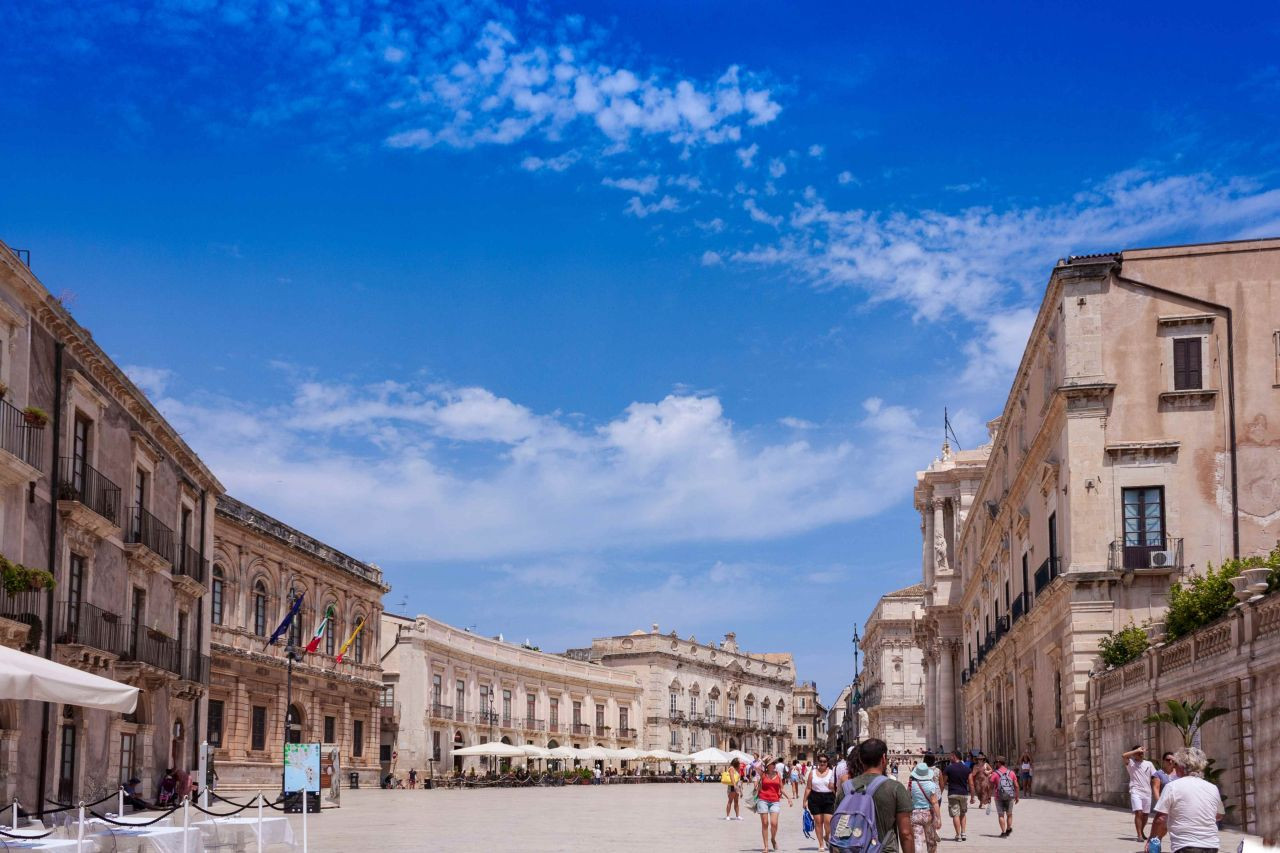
x=1136, y=447
x=127, y=506
x=892, y=675
x=259, y=563
x=697, y=695
x=450, y=688
x=809, y=721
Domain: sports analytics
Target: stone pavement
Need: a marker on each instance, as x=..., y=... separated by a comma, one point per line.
x=667, y=817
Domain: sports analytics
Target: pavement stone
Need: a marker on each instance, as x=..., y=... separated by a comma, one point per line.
x=658, y=817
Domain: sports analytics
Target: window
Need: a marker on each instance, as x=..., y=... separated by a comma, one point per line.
x=216, y=596
x=1143, y=524
x=506, y=707
x=802, y=732
x=1186, y=364
x=128, y=741
x=733, y=711
x=75, y=589
x=673, y=703
x=359, y=643
x=1057, y=700
x=67, y=765
x=182, y=634
x=214, y=735
x=693, y=704
x=330, y=729
x=1053, y=540
x=331, y=632
x=577, y=713
x=258, y=736
x=435, y=746
x=460, y=696
x=675, y=739
x=599, y=716
x=137, y=618
x=555, y=712
x=530, y=707
x=485, y=702
x=384, y=753
x=139, y=503
x=357, y=738
x=80, y=451
x=802, y=701
x=260, y=609
x=624, y=718
x=437, y=690
x=749, y=709
x=388, y=697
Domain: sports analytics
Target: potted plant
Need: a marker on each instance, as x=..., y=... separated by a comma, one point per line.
x=35, y=416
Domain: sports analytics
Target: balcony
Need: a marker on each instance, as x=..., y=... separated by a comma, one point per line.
x=626, y=734
x=485, y=718
x=193, y=666
x=1049, y=569
x=459, y=714
x=1002, y=627
x=556, y=727
x=93, y=637
x=24, y=444
x=147, y=531
x=1021, y=604
x=389, y=716
x=533, y=724
x=1162, y=557
x=190, y=564
x=603, y=731
x=581, y=729
x=20, y=618
x=441, y=712
x=711, y=718
x=87, y=498
x=508, y=722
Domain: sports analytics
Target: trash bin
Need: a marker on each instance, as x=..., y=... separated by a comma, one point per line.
x=353, y=779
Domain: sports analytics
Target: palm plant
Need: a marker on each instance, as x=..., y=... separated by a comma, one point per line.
x=1187, y=717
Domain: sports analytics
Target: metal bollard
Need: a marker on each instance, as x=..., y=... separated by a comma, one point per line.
x=259, y=822
x=15, y=813
x=120, y=800
x=186, y=822
x=304, y=820
x=80, y=830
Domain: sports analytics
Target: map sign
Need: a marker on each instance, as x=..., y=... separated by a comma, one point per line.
x=302, y=767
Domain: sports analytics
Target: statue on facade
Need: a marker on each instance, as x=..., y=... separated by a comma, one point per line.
x=939, y=551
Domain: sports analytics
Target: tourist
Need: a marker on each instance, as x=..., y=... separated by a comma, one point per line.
x=1024, y=774
x=769, y=796
x=1167, y=771
x=980, y=782
x=957, y=775
x=1141, y=772
x=1005, y=787
x=168, y=784
x=820, y=798
x=795, y=779
x=132, y=797
x=926, y=813
x=732, y=779
x=1190, y=810
x=413, y=778
x=892, y=802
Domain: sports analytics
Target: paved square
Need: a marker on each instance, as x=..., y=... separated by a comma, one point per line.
x=669, y=817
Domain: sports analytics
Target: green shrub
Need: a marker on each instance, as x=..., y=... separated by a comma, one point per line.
x=16, y=578
x=1206, y=597
x=1120, y=647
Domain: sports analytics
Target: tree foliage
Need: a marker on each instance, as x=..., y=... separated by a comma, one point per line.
x=1187, y=717
x=1204, y=598
x=1119, y=647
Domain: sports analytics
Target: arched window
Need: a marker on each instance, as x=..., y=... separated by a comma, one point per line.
x=217, y=595
x=331, y=632
x=357, y=645
x=260, y=609
x=295, y=627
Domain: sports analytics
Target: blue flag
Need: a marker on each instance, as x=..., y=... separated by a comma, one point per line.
x=288, y=620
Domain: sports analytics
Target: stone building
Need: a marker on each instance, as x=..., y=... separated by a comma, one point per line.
x=697, y=695
x=892, y=676
x=944, y=496
x=451, y=688
x=809, y=721
x=258, y=564
x=128, y=509
x=1137, y=446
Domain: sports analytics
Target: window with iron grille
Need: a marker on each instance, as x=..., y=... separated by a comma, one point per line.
x=330, y=729
x=214, y=735
x=357, y=738
x=258, y=738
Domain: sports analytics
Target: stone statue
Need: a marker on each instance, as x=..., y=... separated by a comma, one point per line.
x=939, y=551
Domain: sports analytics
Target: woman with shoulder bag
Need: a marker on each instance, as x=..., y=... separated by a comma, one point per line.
x=770, y=792
x=732, y=779
x=820, y=798
x=926, y=816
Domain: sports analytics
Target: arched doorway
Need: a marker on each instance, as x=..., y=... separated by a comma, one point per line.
x=553, y=763
x=504, y=764
x=458, y=743
x=733, y=744
x=293, y=725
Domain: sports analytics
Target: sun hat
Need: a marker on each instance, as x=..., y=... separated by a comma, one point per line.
x=921, y=772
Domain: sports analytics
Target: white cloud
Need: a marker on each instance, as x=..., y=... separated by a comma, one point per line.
x=797, y=423
x=994, y=351
x=154, y=381
x=711, y=259
x=559, y=163
x=642, y=186
x=759, y=214
x=846, y=177
x=714, y=226
x=399, y=471
x=747, y=155
x=777, y=168
x=817, y=150
x=640, y=210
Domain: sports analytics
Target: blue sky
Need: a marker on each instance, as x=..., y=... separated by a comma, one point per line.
x=577, y=319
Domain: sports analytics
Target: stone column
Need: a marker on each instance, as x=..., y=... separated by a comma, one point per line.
x=926, y=555
x=930, y=701
x=946, y=698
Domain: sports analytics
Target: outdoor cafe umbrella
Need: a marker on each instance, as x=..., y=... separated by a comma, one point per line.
x=24, y=676
x=492, y=748
x=710, y=755
x=534, y=751
x=627, y=754
x=593, y=753
x=566, y=752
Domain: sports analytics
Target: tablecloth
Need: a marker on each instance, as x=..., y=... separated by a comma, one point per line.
x=156, y=839
x=46, y=844
x=242, y=832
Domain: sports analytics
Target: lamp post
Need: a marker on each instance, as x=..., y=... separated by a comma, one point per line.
x=291, y=655
x=857, y=687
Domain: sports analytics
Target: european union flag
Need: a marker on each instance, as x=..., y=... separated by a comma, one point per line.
x=288, y=620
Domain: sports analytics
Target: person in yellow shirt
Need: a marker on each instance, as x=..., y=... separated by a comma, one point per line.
x=732, y=779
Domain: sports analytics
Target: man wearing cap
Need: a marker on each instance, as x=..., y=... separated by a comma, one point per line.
x=1142, y=778
x=131, y=797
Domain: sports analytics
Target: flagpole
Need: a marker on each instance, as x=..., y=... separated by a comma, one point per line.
x=289, y=652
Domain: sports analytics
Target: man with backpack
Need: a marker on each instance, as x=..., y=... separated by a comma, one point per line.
x=875, y=814
x=1007, y=792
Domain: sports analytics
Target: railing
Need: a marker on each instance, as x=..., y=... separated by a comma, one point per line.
x=581, y=729
x=459, y=714
x=507, y=722
x=146, y=529
x=1048, y=570
x=626, y=733
x=389, y=713
x=193, y=666
x=485, y=718
x=190, y=564
x=79, y=481
x=678, y=716
x=152, y=648
x=441, y=712
x=1166, y=554
x=1021, y=605
x=712, y=718
x=602, y=731
x=556, y=727
x=19, y=437
x=533, y=724
x=1002, y=626
x=86, y=625
x=26, y=603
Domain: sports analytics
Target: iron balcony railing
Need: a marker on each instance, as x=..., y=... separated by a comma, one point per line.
x=556, y=727
x=581, y=729
x=626, y=733
x=145, y=529
x=1048, y=570
x=602, y=731
x=389, y=713
x=153, y=648
x=1166, y=553
x=193, y=666
x=507, y=722
x=486, y=718
x=79, y=481
x=533, y=724
x=1021, y=604
x=1002, y=626
x=190, y=563
x=441, y=712
x=459, y=714
x=19, y=437
x=82, y=624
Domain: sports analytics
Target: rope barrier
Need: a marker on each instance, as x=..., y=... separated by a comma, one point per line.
x=27, y=837
x=70, y=808
x=132, y=824
x=202, y=810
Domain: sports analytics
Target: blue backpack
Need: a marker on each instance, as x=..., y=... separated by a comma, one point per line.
x=853, y=826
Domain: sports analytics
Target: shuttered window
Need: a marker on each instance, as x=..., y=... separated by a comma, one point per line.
x=1186, y=364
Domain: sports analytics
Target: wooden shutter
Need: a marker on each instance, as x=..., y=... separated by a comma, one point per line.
x=1186, y=364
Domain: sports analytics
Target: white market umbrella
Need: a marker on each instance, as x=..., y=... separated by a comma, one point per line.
x=628, y=754
x=534, y=751
x=593, y=753
x=565, y=752
x=741, y=756
x=494, y=749
x=711, y=755
x=24, y=676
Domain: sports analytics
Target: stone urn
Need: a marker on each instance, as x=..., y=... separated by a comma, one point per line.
x=1155, y=631
x=1257, y=580
x=1242, y=591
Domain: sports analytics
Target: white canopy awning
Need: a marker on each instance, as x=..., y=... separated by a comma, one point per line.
x=535, y=751
x=627, y=754
x=593, y=753
x=741, y=756
x=711, y=755
x=494, y=749
x=24, y=676
x=567, y=752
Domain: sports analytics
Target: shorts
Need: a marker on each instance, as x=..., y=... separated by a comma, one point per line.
x=957, y=805
x=1140, y=801
x=1024, y=778
x=822, y=802
x=1004, y=806
x=766, y=807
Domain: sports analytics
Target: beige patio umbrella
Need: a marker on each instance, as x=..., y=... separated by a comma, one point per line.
x=493, y=749
x=24, y=676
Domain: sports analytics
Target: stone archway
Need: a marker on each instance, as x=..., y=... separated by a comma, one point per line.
x=458, y=743
x=294, y=724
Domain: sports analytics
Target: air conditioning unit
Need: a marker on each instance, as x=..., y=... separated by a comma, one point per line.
x=1160, y=559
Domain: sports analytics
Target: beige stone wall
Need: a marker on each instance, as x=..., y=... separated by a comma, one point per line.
x=1234, y=664
x=808, y=721
x=893, y=673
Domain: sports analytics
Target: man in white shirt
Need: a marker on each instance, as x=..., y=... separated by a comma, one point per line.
x=1189, y=808
x=1142, y=775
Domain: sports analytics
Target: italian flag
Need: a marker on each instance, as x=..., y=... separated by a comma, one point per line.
x=320, y=629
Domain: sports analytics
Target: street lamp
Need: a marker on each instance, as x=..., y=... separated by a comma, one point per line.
x=291, y=655
x=857, y=687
